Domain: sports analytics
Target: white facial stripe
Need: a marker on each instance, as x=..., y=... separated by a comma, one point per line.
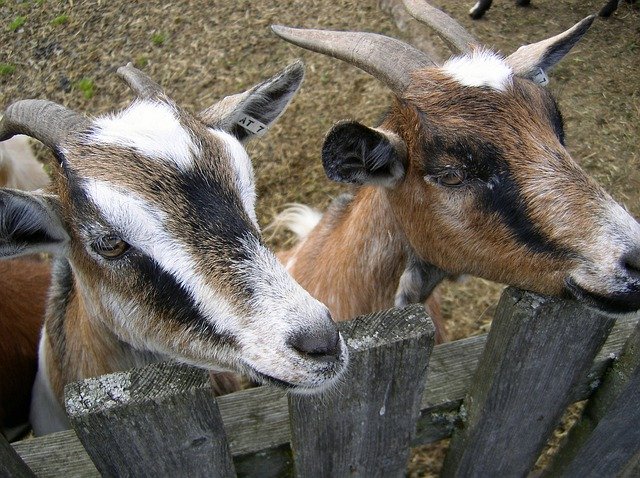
x=480, y=68
x=243, y=171
x=142, y=225
x=151, y=128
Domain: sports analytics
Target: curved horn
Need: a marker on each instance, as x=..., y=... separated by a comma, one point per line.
x=453, y=34
x=48, y=122
x=387, y=59
x=139, y=82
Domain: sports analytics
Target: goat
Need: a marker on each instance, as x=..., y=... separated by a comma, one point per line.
x=151, y=216
x=467, y=174
x=479, y=9
x=23, y=291
x=23, y=286
x=481, y=6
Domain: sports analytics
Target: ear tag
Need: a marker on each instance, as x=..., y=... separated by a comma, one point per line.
x=540, y=77
x=251, y=124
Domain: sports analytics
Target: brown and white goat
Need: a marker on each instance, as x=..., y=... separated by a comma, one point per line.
x=151, y=215
x=467, y=174
x=23, y=290
x=23, y=287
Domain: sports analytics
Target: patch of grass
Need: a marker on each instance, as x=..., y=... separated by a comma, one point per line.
x=158, y=39
x=60, y=19
x=17, y=23
x=141, y=61
x=7, y=69
x=87, y=87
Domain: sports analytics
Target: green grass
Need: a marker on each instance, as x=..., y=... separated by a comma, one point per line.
x=7, y=69
x=17, y=23
x=60, y=19
x=87, y=87
x=141, y=61
x=158, y=39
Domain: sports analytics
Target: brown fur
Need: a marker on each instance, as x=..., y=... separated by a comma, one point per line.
x=353, y=259
x=23, y=291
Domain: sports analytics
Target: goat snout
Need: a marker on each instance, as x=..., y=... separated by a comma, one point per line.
x=321, y=344
x=631, y=263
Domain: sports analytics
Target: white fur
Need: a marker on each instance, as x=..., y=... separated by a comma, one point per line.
x=46, y=414
x=243, y=170
x=152, y=129
x=300, y=219
x=480, y=68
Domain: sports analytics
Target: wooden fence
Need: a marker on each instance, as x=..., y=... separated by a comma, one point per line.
x=498, y=396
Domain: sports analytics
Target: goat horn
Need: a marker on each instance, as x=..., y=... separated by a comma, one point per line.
x=139, y=82
x=387, y=59
x=453, y=34
x=48, y=122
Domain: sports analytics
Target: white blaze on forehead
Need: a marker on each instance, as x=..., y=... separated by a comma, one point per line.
x=151, y=128
x=243, y=171
x=480, y=68
x=143, y=226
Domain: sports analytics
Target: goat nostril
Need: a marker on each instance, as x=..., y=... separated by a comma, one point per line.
x=324, y=344
x=631, y=262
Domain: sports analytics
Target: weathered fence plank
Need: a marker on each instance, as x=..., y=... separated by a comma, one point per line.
x=256, y=420
x=57, y=455
x=537, y=350
x=607, y=436
x=161, y=420
x=11, y=465
x=365, y=426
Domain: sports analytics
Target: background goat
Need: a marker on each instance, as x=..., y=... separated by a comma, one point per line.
x=23, y=286
x=479, y=9
x=151, y=214
x=467, y=174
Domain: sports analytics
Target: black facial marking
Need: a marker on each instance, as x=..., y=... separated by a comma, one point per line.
x=492, y=182
x=171, y=300
x=220, y=212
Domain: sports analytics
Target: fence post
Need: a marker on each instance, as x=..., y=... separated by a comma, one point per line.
x=607, y=436
x=159, y=420
x=365, y=425
x=11, y=465
x=537, y=350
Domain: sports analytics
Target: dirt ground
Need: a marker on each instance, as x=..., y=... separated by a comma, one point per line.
x=68, y=51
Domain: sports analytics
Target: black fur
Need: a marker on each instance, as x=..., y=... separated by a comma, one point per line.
x=24, y=224
x=489, y=176
x=353, y=153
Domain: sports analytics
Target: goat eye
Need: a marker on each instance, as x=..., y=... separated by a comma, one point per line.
x=110, y=246
x=452, y=177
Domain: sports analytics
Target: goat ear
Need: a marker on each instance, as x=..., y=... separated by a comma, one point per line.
x=29, y=224
x=354, y=153
x=533, y=61
x=250, y=114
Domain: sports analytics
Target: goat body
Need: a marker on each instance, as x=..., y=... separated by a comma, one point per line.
x=23, y=295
